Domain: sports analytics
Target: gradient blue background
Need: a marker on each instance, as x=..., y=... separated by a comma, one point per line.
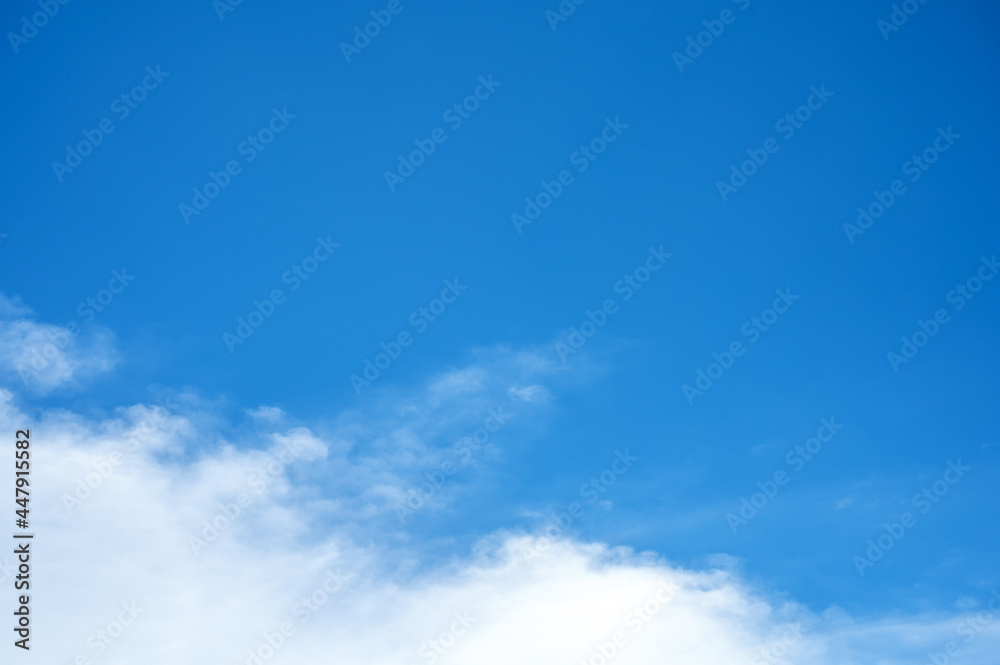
x=656, y=185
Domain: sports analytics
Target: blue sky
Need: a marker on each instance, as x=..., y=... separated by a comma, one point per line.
x=546, y=90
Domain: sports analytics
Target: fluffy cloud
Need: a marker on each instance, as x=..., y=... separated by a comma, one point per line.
x=166, y=534
x=161, y=541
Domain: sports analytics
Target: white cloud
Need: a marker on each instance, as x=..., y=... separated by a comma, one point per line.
x=843, y=503
x=12, y=307
x=528, y=393
x=161, y=538
x=126, y=549
x=268, y=414
x=44, y=356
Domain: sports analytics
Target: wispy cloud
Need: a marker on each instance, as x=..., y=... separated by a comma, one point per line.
x=173, y=535
x=45, y=357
